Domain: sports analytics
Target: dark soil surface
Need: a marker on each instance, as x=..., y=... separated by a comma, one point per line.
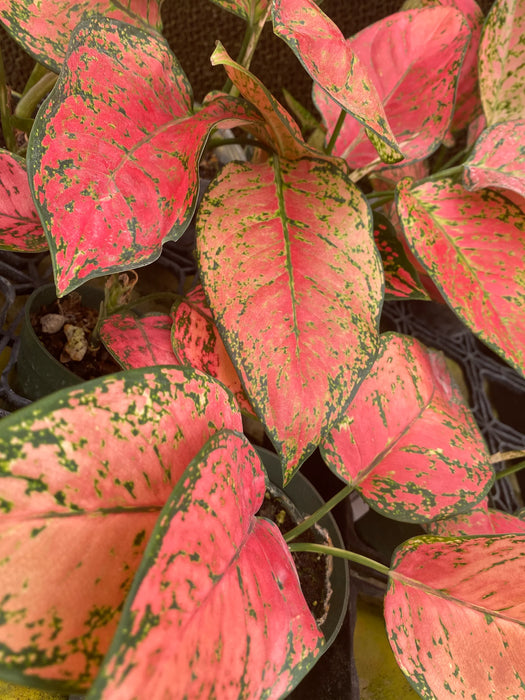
x=97, y=361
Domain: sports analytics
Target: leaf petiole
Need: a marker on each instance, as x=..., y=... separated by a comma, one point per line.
x=510, y=470
x=5, y=111
x=442, y=174
x=308, y=522
x=335, y=133
x=31, y=99
x=341, y=553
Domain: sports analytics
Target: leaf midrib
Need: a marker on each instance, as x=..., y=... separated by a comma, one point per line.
x=287, y=244
x=443, y=595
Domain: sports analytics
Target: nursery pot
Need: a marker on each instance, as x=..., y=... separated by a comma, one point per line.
x=38, y=372
x=306, y=500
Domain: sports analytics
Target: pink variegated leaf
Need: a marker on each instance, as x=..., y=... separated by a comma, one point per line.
x=20, y=227
x=455, y=615
x=135, y=341
x=407, y=441
x=498, y=159
x=481, y=520
x=403, y=273
x=122, y=179
x=401, y=277
x=197, y=297
x=44, y=27
x=335, y=66
x=473, y=246
x=84, y=474
x=253, y=11
x=468, y=101
x=299, y=312
x=501, y=59
x=196, y=342
x=283, y=133
x=414, y=58
x=216, y=609
x=515, y=198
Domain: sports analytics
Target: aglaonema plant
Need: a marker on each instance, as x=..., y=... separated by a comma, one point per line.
x=167, y=583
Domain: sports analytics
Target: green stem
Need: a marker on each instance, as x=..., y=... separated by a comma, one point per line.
x=38, y=72
x=32, y=98
x=254, y=37
x=155, y=296
x=5, y=112
x=335, y=133
x=250, y=40
x=244, y=46
x=341, y=553
x=510, y=470
x=449, y=172
x=458, y=157
x=237, y=141
x=378, y=198
x=319, y=513
x=228, y=85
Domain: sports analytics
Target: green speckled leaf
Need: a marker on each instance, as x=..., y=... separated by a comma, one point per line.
x=20, y=227
x=473, y=246
x=498, y=159
x=44, y=27
x=216, y=609
x=414, y=58
x=334, y=66
x=401, y=277
x=468, y=102
x=84, y=474
x=196, y=343
x=122, y=179
x=407, y=440
x=282, y=132
x=481, y=520
x=11, y=691
x=501, y=60
x=299, y=311
x=139, y=341
x=455, y=615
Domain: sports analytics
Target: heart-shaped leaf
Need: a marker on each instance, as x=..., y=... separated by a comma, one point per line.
x=216, y=609
x=20, y=227
x=468, y=102
x=481, y=520
x=299, y=314
x=501, y=58
x=403, y=273
x=84, y=474
x=123, y=176
x=139, y=341
x=455, y=615
x=283, y=133
x=401, y=277
x=414, y=58
x=498, y=159
x=407, y=440
x=44, y=28
x=197, y=343
x=315, y=40
x=473, y=246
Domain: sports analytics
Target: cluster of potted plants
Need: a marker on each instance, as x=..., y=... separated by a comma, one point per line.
x=132, y=559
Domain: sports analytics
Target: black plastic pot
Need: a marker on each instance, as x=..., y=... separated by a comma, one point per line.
x=307, y=500
x=38, y=373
